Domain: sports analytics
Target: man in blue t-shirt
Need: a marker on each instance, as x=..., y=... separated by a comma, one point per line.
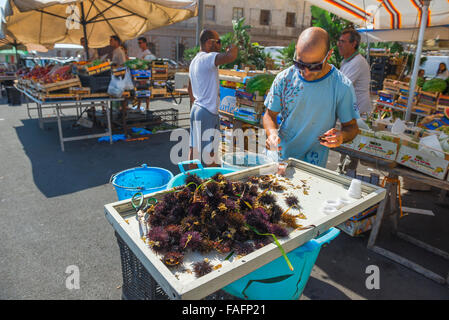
x=310, y=96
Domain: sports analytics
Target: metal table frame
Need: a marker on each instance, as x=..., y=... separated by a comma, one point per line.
x=390, y=206
x=58, y=106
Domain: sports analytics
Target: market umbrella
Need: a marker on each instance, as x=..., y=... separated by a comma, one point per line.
x=393, y=14
x=47, y=22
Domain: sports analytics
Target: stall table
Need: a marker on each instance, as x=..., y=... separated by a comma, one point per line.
x=390, y=205
x=59, y=106
x=322, y=185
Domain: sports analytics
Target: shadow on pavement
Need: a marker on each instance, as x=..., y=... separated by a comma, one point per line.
x=86, y=163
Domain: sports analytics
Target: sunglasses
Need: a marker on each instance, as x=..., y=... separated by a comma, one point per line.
x=313, y=67
x=217, y=41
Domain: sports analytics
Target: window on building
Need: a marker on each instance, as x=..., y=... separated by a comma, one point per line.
x=290, y=20
x=237, y=13
x=264, y=17
x=210, y=12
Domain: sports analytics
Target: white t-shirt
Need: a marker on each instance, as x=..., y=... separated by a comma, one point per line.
x=146, y=54
x=118, y=56
x=203, y=75
x=358, y=71
x=444, y=75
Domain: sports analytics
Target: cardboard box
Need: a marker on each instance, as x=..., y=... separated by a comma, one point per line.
x=379, y=144
x=356, y=228
x=410, y=156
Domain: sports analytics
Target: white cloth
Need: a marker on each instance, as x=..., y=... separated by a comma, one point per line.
x=118, y=56
x=443, y=75
x=358, y=71
x=145, y=55
x=203, y=75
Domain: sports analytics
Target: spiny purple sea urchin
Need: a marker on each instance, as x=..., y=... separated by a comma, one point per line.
x=202, y=268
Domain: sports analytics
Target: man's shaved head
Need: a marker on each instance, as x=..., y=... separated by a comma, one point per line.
x=313, y=39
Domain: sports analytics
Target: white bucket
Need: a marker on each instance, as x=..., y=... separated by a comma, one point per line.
x=244, y=160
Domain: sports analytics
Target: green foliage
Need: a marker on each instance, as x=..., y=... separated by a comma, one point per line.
x=190, y=53
x=250, y=53
x=260, y=83
x=334, y=25
x=287, y=54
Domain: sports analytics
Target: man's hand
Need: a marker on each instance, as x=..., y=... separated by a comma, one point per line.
x=272, y=142
x=332, y=138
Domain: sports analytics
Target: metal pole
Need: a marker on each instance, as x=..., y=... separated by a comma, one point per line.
x=83, y=22
x=422, y=29
x=200, y=21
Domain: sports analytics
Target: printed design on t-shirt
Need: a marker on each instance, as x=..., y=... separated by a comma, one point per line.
x=290, y=92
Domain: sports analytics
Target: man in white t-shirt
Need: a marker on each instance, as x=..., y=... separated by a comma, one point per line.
x=204, y=95
x=144, y=52
x=356, y=68
x=118, y=54
x=93, y=53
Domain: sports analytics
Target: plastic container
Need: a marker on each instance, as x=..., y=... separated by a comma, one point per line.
x=244, y=160
x=144, y=179
x=202, y=172
x=275, y=281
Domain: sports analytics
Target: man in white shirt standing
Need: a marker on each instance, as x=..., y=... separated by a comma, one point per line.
x=118, y=54
x=356, y=68
x=204, y=95
x=93, y=53
x=144, y=53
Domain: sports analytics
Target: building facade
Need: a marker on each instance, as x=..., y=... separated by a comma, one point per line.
x=273, y=23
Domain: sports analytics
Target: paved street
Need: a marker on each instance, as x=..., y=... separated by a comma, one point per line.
x=51, y=205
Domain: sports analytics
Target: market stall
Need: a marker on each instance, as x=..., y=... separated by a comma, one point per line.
x=209, y=259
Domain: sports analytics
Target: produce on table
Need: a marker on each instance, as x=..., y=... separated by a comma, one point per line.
x=38, y=72
x=217, y=215
x=434, y=85
x=260, y=83
x=137, y=64
x=58, y=74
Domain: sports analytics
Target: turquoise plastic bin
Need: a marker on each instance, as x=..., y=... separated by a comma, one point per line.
x=275, y=281
x=202, y=172
x=144, y=179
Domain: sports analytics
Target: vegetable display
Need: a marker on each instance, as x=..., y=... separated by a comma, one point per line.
x=138, y=64
x=434, y=85
x=260, y=83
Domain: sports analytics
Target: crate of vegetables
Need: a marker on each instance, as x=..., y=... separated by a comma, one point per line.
x=197, y=238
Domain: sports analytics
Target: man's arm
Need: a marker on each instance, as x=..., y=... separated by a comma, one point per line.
x=270, y=125
x=192, y=98
x=334, y=138
x=227, y=57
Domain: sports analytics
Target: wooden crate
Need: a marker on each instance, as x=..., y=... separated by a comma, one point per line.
x=80, y=90
x=60, y=85
x=443, y=102
x=56, y=96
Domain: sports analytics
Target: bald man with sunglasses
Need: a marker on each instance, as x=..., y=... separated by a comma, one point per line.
x=310, y=96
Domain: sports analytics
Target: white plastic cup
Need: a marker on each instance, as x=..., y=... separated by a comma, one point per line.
x=355, y=189
x=331, y=203
x=342, y=201
x=329, y=210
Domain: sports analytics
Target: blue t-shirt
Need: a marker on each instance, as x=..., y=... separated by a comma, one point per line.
x=308, y=109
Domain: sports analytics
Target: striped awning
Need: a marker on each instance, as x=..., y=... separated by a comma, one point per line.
x=386, y=14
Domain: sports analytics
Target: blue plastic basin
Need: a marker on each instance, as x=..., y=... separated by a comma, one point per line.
x=144, y=179
x=275, y=281
x=202, y=172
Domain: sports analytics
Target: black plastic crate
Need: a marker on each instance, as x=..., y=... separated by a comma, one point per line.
x=96, y=83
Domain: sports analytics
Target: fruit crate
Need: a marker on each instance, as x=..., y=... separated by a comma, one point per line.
x=60, y=85
x=158, y=91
